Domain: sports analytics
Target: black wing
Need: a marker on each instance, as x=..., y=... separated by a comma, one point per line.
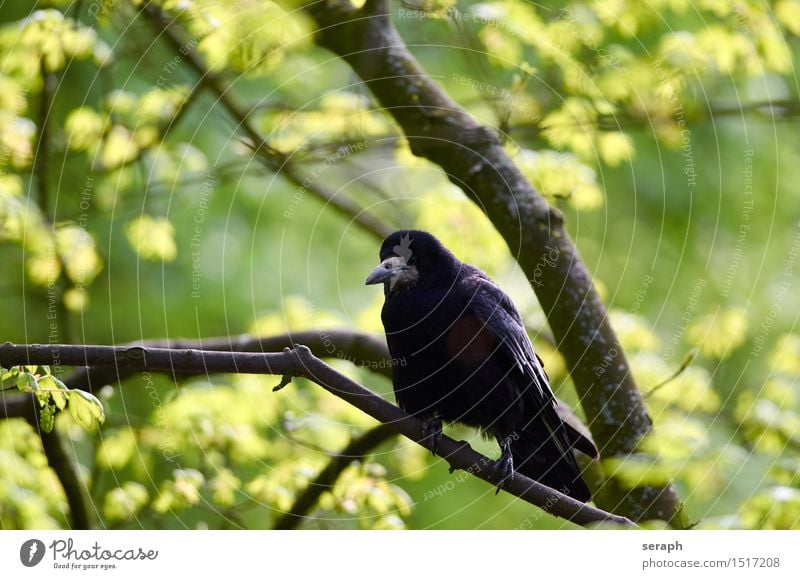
x=494, y=308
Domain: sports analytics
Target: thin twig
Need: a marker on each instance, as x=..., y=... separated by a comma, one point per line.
x=274, y=159
x=687, y=361
x=357, y=449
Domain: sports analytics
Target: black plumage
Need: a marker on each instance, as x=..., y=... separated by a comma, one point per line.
x=462, y=355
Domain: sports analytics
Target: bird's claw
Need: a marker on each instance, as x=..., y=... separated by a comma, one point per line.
x=504, y=466
x=432, y=431
x=504, y=471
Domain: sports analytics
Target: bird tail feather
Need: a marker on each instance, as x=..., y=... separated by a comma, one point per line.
x=542, y=455
x=579, y=441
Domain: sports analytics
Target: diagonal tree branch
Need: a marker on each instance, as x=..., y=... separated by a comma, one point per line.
x=357, y=449
x=300, y=362
x=64, y=465
x=474, y=160
x=276, y=160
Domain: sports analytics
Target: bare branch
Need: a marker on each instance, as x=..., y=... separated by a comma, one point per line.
x=63, y=464
x=301, y=362
x=18, y=405
x=357, y=449
x=359, y=348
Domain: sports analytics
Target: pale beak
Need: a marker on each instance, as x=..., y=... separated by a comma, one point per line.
x=387, y=269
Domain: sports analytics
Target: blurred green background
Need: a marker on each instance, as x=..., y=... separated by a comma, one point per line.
x=132, y=206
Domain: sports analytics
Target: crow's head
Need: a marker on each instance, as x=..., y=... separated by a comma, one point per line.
x=410, y=257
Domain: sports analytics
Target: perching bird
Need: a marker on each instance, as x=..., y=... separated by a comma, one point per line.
x=461, y=354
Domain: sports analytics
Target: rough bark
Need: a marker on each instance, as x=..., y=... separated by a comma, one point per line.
x=473, y=159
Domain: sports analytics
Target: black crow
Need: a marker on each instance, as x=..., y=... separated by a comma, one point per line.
x=461, y=354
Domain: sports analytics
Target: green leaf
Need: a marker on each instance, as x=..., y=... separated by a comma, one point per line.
x=160, y=105
x=153, y=238
x=48, y=37
x=26, y=382
x=85, y=409
x=84, y=128
x=788, y=14
x=719, y=334
x=389, y=522
x=785, y=355
x=182, y=492
x=562, y=175
x=116, y=449
x=50, y=382
x=615, y=147
x=636, y=470
x=122, y=503
x=224, y=487
x=60, y=399
x=633, y=331
x=17, y=138
x=78, y=254
x=772, y=508
x=43, y=269
x=572, y=126
x=118, y=148
x=503, y=49
x=76, y=299
x=8, y=377
x=253, y=39
x=58, y=391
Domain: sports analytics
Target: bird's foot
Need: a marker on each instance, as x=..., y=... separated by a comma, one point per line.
x=432, y=430
x=504, y=467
